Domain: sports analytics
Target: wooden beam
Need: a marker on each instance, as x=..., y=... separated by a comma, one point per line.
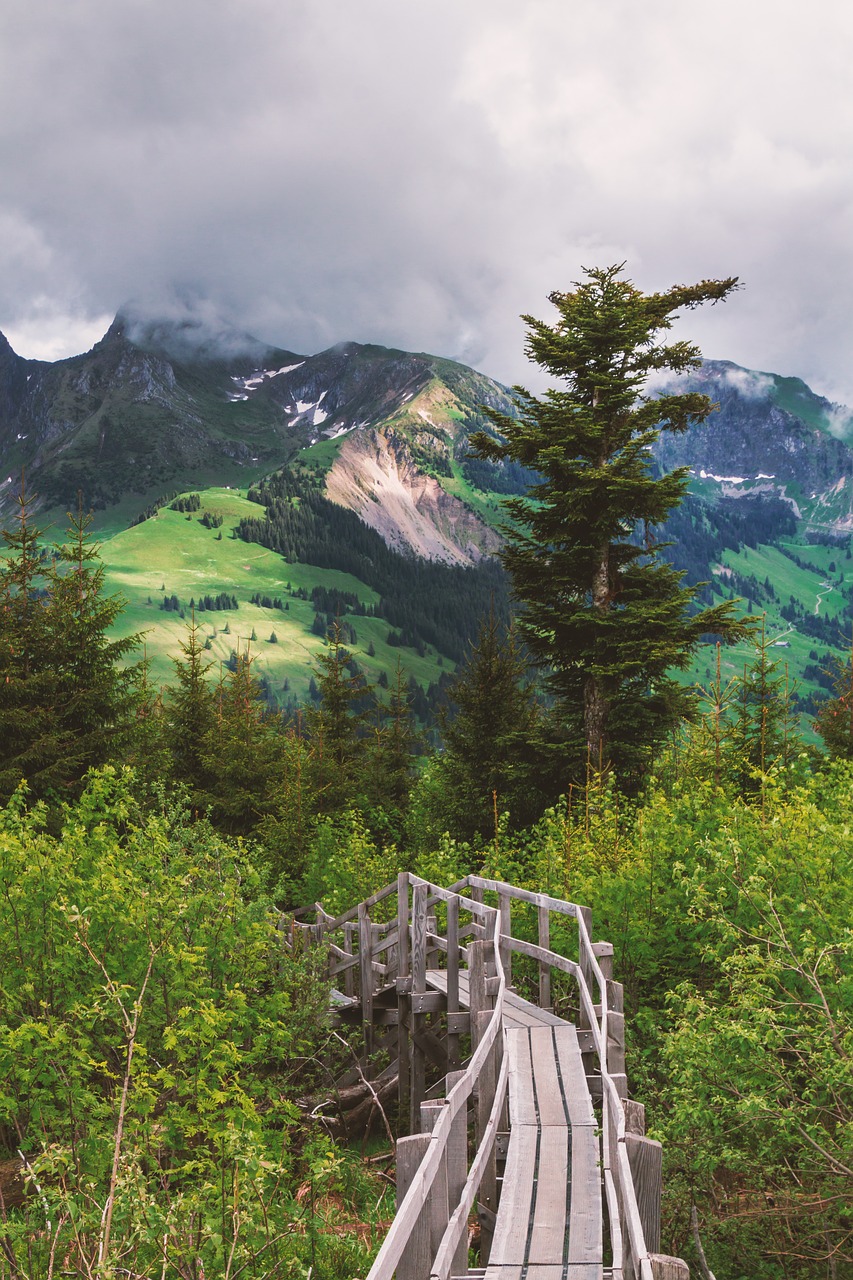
x=403, y=978
x=365, y=957
x=417, y=1256
x=544, y=921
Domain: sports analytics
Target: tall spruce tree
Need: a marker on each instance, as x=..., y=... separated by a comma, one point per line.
x=834, y=720
x=67, y=703
x=488, y=734
x=337, y=727
x=190, y=715
x=603, y=612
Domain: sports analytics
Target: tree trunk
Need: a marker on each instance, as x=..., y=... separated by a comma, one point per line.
x=595, y=708
x=596, y=704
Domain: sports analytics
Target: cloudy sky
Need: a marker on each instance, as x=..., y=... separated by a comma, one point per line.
x=419, y=172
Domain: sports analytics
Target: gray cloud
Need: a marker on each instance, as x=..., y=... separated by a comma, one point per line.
x=418, y=174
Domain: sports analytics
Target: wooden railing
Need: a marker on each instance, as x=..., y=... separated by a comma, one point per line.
x=381, y=967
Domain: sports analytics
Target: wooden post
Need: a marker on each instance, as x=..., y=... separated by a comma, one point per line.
x=403, y=1002
x=417, y=1259
x=453, y=978
x=544, y=969
x=457, y=1170
x=645, y=1157
x=479, y=926
x=477, y=998
x=488, y=1193
x=349, y=975
x=365, y=958
x=431, y=948
x=391, y=962
x=666, y=1268
x=504, y=948
x=586, y=971
x=438, y=1205
x=635, y=1117
x=603, y=952
x=615, y=1028
x=418, y=1020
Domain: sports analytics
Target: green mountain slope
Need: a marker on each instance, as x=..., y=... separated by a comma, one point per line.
x=172, y=557
x=159, y=408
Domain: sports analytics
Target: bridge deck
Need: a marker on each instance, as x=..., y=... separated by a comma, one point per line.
x=517, y=1012
x=549, y=1221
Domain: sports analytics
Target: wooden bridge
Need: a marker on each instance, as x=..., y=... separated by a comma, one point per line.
x=521, y=1130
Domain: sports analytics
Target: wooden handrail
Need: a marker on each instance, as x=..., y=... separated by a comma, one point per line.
x=395, y=1242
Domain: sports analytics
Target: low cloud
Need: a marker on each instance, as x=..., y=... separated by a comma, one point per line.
x=839, y=422
x=748, y=383
x=419, y=175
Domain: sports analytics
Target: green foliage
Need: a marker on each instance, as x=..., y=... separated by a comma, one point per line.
x=345, y=863
x=190, y=715
x=335, y=726
x=151, y=1027
x=731, y=922
x=240, y=751
x=603, y=612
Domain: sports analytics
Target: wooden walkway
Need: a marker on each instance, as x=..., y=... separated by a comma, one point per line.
x=549, y=1220
x=579, y=1198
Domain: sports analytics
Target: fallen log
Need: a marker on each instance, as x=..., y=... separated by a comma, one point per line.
x=351, y=1111
x=13, y=1187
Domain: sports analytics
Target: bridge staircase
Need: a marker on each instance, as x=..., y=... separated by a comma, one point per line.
x=521, y=1136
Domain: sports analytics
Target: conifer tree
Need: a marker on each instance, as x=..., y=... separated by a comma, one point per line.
x=240, y=751
x=834, y=720
x=337, y=726
x=389, y=763
x=763, y=728
x=190, y=715
x=488, y=734
x=603, y=613
x=66, y=702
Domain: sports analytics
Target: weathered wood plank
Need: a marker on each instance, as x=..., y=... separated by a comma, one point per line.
x=585, y=1226
x=574, y=1082
x=415, y=1263
x=544, y=938
x=550, y=1211
x=517, y=1011
x=547, y=1271
x=513, y=1222
x=522, y=1105
x=548, y=1239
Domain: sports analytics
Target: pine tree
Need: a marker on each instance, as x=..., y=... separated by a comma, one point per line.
x=190, y=715
x=834, y=720
x=603, y=612
x=389, y=760
x=488, y=735
x=337, y=726
x=763, y=727
x=240, y=751
x=67, y=704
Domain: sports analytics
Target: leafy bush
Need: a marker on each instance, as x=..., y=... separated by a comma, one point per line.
x=151, y=1033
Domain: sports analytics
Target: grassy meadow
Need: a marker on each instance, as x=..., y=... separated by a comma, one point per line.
x=175, y=554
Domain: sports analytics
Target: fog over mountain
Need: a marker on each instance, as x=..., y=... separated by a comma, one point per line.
x=417, y=175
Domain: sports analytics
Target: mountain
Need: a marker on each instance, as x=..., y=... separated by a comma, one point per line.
x=772, y=437
x=355, y=466
x=157, y=406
